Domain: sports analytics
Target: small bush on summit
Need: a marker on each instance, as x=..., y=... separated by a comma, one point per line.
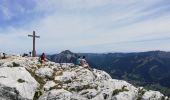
x=15, y=64
x=117, y=91
x=163, y=98
x=141, y=92
x=37, y=94
x=38, y=65
x=56, y=87
x=124, y=88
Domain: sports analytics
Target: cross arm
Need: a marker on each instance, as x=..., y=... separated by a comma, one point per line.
x=37, y=36
x=33, y=36
x=30, y=35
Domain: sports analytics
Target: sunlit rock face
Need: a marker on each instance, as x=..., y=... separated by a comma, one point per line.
x=25, y=78
x=17, y=81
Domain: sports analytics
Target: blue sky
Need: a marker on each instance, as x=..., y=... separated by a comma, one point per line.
x=85, y=25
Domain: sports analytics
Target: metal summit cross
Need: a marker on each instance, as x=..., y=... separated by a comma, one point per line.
x=34, y=36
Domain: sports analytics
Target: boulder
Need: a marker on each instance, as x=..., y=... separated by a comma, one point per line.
x=10, y=93
x=152, y=95
x=59, y=94
x=48, y=85
x=89, y=93
x=129, y=95
x=66, y=77
x=18, y=81
x=44, y=72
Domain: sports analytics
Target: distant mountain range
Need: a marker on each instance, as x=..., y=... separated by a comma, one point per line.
x=150, y=69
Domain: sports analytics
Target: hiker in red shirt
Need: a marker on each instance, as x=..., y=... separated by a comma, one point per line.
x=43, y=58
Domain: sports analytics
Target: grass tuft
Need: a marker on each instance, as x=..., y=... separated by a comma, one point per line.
x=15, y=64
x=21, y=80
x=117, y=91
x=141, y=92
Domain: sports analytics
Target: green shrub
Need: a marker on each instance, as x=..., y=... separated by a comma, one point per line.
x=117, y=91
x=37, y=78
x=51, y=64
x=37, y=95
x=15, y=64
x=141, y=92
x=56, y=87
x=38, y=65
x=124, y=88
x=41, y=81
x=163, y=98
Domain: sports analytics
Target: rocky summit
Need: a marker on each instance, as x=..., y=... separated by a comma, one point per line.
x=24, y=78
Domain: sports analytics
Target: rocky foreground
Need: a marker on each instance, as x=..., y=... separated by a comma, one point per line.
x=24, y=78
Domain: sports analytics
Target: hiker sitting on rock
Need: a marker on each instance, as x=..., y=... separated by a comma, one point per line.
x=84, y=62
x=78, y=61
x=4, y=56
x=30, y=53
x=42, y=58
x=25, y=55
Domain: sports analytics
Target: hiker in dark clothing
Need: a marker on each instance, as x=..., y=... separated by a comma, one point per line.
x=30, y=53
x=42, y=58
x=25, y=55
x=4, y=56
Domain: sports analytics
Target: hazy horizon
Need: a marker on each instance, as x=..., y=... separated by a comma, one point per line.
x=96, y=26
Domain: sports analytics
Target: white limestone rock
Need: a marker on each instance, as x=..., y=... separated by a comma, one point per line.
x=20, y=79
x=44, y=72
x=84, y=74
x=89, y=93
x=67, y=66
x=101, y=75
x=48, y=85
x=66, y=77
x=152, y=95
x=129, y=95
x=59, y=94
x=77, y=97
